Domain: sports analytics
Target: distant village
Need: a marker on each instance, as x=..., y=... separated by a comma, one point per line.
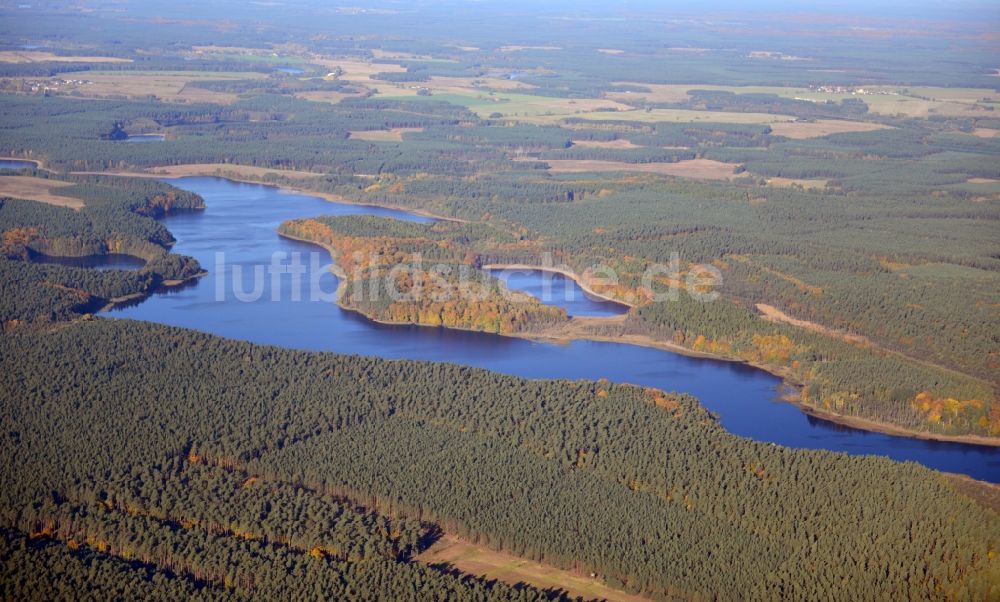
x=41, y=86
x=852, y=90
x=845, y=90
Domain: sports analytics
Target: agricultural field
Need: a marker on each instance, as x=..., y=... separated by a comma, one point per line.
x=354, y=70
x=521, y=107
x=798, y=130
x=696, y=169
x=686, y=116
x=33, y=56
x=620, y=143
x=920, y=102
x=45, y=191
x=814, y=184
x=176, y=86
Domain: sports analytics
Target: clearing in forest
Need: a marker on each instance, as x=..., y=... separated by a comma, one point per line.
x=520, y=107
x=479, y=560
x=686, y=116
x=698, y=169
x=822, y=127
x=355, y=70
x=620, y=143
x=330, y=96
x=986, y=133
x=808, y=184
x=392, y=135
x=773, y=314
x=38, y=189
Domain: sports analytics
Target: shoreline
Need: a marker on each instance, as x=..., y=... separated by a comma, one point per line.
x=523, y=267
x=335, y=198
x=568, y=335
x=873, y=426
x=38, y=163
x=855, y=422
x=233, y=177
x=166, y=284
x=631, y=339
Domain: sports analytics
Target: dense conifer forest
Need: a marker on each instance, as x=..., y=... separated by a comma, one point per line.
x=413, y=274
x=838, y=174
x=261, y=457
x=912, y=230
x=837, y=375
x=117, y=218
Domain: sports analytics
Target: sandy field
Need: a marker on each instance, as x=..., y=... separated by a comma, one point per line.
x=38, y=189
x=698, y=169
x=985, y=133
x=687, y=116
x=799, y=130
x=171, y=86
x=480, y=560
x=805, y=183
x=26, y=56
x=393, y=135
x=620, y=143
x=354, y=69
x=774, y=314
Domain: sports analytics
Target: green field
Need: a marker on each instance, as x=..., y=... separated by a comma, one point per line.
x=686, y=116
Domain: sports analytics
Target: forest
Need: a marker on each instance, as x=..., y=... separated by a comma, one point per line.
x=836, y=375
x=910, y=266
x=414, y=274
x=860, y=278
x=263, y=457
x=118, y=217
x=838, y=171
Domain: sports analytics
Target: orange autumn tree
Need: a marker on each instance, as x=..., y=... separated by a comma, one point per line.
x=419, y=274
x=948, y=411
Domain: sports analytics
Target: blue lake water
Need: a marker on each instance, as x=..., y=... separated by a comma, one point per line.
x=15, y=164
x=236, y=236
x=145, y=138
x=555, y=289
x=111, y=261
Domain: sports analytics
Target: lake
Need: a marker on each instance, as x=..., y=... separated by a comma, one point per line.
x=146, y=138
x=553, y=288
x=110, y=261
x=15, y=164
x=235, y=239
